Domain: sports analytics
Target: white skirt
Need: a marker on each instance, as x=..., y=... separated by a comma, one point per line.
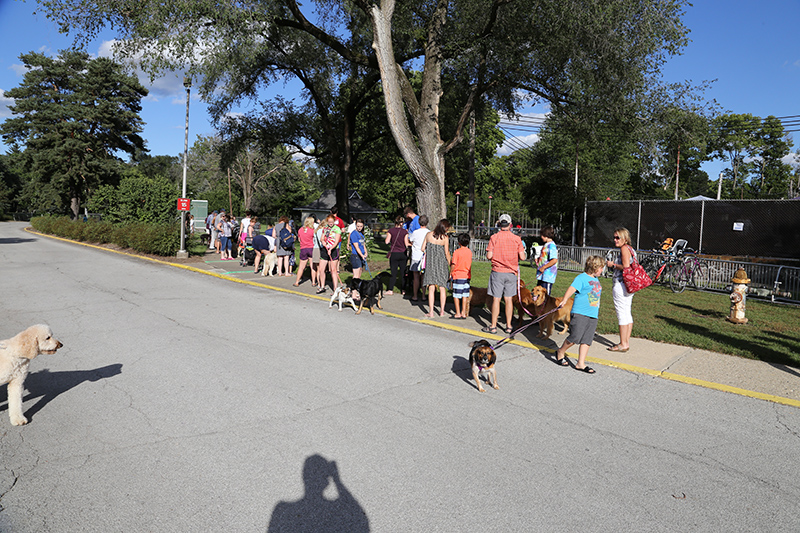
x=622, y=303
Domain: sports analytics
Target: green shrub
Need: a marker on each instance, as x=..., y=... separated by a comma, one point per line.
x=156, y=239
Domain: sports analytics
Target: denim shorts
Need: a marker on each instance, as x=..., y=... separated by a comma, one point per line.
x=356, y=261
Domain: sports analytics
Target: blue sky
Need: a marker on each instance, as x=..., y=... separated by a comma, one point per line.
x=750, y=48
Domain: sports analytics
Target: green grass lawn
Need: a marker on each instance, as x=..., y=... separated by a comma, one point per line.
x=692, y=318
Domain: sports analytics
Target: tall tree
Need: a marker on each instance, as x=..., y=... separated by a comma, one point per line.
x=72, y=115
x=773, y=174
x=734, y=138
x=238, y=49
x=597, y=55
x=592, y=53
x=684, y=137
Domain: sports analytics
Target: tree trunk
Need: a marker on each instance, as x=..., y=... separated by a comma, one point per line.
x=422, y=153
x=75, y=205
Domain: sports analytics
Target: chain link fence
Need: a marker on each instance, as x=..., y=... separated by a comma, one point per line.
x=739, y=228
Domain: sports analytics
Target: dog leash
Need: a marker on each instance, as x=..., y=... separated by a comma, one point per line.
x=536, y=320
x=523, y=328
x=366, y=265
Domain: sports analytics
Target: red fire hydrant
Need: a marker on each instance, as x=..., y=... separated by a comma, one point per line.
x=739, y=297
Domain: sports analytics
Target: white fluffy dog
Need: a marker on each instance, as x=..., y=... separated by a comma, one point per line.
x=270, y=262
x=16, y=354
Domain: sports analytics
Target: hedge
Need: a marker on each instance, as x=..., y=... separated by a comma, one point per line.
x=146, y=238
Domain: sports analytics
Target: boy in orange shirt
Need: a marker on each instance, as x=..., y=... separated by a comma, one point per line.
x=461, y=272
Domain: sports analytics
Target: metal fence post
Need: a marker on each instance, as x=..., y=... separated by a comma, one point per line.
x=702, y=220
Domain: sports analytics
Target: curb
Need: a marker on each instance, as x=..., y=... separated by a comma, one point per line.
x=467, y=331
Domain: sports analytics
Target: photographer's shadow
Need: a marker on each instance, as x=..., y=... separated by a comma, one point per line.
x=47, y=385
x=315, y=513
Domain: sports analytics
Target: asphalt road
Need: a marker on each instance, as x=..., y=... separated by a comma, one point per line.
x=183, y=402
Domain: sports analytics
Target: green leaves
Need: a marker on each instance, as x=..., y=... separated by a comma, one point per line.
x=72, y=115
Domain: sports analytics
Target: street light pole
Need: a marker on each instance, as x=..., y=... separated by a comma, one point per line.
x=458, y=195
x=490, y=210
x=182, y=253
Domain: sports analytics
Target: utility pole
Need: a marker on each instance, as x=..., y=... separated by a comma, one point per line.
x=182, y=253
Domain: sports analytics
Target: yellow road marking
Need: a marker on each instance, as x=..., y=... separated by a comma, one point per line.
x=467, y=331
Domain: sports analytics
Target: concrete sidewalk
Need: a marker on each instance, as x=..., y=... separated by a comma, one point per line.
x=767, y=381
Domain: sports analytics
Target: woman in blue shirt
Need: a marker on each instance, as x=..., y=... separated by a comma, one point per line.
x=358, y=249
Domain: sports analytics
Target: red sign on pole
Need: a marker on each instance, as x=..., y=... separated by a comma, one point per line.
x=184, y=204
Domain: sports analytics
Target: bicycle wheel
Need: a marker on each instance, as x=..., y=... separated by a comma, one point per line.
x=608, y=272
x=651, y=264
x=699, y=277
x=678, y=278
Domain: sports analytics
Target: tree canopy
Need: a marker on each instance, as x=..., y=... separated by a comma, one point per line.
x=595, y=55
x=72, y=116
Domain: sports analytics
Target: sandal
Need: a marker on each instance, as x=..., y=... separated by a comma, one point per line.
x=617, y=348
x=587, y=369
x=320, y=290
x=562, y=362
x=487, y=329
x=295, y=284
x=507, y=330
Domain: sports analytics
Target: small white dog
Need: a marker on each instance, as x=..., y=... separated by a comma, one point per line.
x=270, y=262
x=16, y=354
x=343, y=295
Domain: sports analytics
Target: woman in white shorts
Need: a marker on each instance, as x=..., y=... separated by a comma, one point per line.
x=622, y=298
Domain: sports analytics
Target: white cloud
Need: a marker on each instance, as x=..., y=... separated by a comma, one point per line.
x=170, y=84
x=512, y=144
x=19, y=69
x=5, y=101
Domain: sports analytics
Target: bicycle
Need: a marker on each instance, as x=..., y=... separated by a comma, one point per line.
x=664, y=257
x=691, y=270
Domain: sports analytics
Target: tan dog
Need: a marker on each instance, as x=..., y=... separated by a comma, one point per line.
x=270, y=262
x=542, y=304
x=16, y=354
x=477, y=298
x=482, y=359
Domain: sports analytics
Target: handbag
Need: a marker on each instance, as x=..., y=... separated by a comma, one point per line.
x=635, y=277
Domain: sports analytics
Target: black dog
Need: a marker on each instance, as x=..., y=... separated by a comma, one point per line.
x=368, y=289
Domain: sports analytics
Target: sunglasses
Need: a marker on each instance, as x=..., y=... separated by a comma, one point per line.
x=616, y=238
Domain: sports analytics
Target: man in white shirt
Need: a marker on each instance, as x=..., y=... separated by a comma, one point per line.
x=417, y=238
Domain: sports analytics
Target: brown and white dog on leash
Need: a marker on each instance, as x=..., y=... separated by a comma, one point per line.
x=482, y=359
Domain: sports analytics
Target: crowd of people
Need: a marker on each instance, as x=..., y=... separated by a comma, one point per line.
x=423, y=254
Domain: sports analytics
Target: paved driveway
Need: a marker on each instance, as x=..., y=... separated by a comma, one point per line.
x=183, y=402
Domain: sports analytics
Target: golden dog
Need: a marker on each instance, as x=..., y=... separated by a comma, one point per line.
x=542, y=304
x=16, y=355
x=477, y=298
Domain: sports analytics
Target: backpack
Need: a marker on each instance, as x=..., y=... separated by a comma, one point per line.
x=287, y=238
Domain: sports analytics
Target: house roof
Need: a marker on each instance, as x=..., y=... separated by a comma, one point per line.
x=328, y=200
x=700, y=197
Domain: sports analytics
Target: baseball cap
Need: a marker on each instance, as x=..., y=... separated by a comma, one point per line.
x=504, y=220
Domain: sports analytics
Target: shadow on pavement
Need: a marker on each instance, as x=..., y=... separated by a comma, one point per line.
x=315, y=513
x=14, y=240
x=47, y=385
